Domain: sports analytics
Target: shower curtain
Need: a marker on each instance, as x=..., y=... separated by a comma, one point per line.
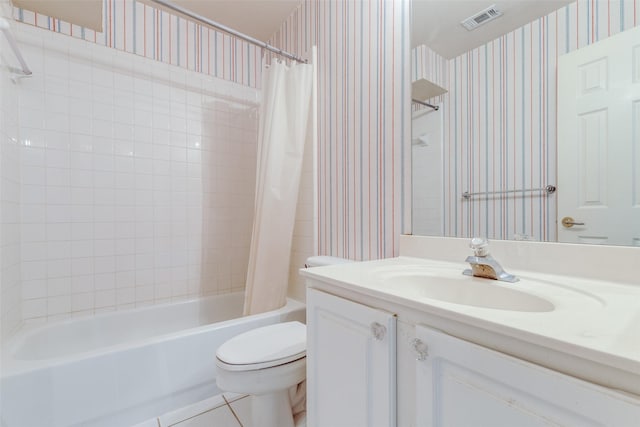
x=286, y=123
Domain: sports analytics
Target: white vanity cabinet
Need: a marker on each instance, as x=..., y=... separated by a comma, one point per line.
x=351, y=363
x=459, y=383
x=354, y=379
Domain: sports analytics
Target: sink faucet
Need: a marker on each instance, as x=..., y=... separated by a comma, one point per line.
x=484, y=265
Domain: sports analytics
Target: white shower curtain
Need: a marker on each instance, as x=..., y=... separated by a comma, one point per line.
x=286, y=122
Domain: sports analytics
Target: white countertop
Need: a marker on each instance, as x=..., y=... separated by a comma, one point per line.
x=595, y=320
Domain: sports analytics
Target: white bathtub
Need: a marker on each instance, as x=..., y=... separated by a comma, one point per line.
x=121, y=368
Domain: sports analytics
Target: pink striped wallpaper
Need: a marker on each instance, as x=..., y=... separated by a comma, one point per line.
x=500, y=119
x=134, y=27
x=364, y=120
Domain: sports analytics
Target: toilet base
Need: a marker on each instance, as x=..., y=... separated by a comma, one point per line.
x=272, y=409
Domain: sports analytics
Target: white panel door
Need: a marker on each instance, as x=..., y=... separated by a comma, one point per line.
x=599, y=142
x=351, y=372
x=460, y=384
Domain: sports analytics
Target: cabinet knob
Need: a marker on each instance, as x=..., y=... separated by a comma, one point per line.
x=420, y=348
x=378, y=331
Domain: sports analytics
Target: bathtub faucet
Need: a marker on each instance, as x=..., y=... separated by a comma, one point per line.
x=484, y=265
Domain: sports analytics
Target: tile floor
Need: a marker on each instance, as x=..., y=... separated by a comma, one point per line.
x=223, y=410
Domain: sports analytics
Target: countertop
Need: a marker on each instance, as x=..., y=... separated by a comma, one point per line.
x=594, y=320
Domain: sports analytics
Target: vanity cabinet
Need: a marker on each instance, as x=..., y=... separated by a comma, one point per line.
x=352, y=373
x=351, y=363
x=459, y=383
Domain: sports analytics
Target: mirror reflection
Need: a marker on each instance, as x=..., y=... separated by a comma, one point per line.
x=539, y=95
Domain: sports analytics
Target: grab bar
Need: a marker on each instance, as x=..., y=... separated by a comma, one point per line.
x=6, y=29
x=549, y=189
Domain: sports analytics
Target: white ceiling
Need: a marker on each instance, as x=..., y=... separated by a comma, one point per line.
x=436, y=23
x=257, y=18
x=86, y=13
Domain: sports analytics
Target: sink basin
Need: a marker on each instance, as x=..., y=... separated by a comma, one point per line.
x=484, y=293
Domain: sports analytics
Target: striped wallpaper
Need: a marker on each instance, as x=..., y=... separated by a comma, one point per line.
x=364, y=119
x=134, y=27
x=500, y=119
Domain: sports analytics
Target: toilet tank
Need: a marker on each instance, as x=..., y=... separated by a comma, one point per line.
x=319, y=261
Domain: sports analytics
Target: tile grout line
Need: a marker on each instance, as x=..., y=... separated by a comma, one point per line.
x=222, y=405
x=232, y=411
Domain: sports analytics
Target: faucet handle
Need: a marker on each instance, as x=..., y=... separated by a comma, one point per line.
x=480, y=246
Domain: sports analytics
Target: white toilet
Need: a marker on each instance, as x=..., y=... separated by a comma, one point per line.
x=266, y=363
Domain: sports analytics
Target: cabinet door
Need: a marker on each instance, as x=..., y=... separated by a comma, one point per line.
x=462, y=384
x=351, y=356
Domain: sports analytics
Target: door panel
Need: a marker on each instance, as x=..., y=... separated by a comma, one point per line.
x=351, y=369
x=598, y=158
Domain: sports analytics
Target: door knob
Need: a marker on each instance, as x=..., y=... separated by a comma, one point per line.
x=568, y=222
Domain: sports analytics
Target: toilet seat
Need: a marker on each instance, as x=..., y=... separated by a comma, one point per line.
x=264, y=347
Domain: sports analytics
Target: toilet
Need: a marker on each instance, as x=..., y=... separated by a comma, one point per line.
x=266, y=363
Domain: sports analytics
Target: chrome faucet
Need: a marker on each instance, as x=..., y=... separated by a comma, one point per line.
x=484, y=265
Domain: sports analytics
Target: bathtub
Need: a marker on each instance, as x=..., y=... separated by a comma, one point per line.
x=121, y=368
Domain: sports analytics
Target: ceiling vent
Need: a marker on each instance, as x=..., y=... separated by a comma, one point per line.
x=480, y=18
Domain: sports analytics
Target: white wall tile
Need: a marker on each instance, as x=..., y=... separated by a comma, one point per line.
x=82, y=266
x=58, y=268
x=116, y=172
x=58, y=287
x=34, y=308
x=32, y=289
x=59, y=305
x=32, y=270
x=82, y=284
x=81, y=302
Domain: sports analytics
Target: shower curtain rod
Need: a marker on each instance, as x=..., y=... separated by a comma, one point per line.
x=227, y=30
x=426, y=104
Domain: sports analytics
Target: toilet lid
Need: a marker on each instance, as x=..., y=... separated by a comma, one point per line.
x=264, y=347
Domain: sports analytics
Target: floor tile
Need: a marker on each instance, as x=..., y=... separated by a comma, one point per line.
x=219, y=417
x=242, y=409
x=179, y=415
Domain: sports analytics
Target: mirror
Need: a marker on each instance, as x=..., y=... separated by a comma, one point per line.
x=498, y=133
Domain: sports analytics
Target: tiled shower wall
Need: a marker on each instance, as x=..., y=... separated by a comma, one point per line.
x=500, y=119
x=137, y=179
x=10, y=295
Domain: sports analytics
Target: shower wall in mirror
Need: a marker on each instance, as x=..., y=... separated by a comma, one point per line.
x=500, y=119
